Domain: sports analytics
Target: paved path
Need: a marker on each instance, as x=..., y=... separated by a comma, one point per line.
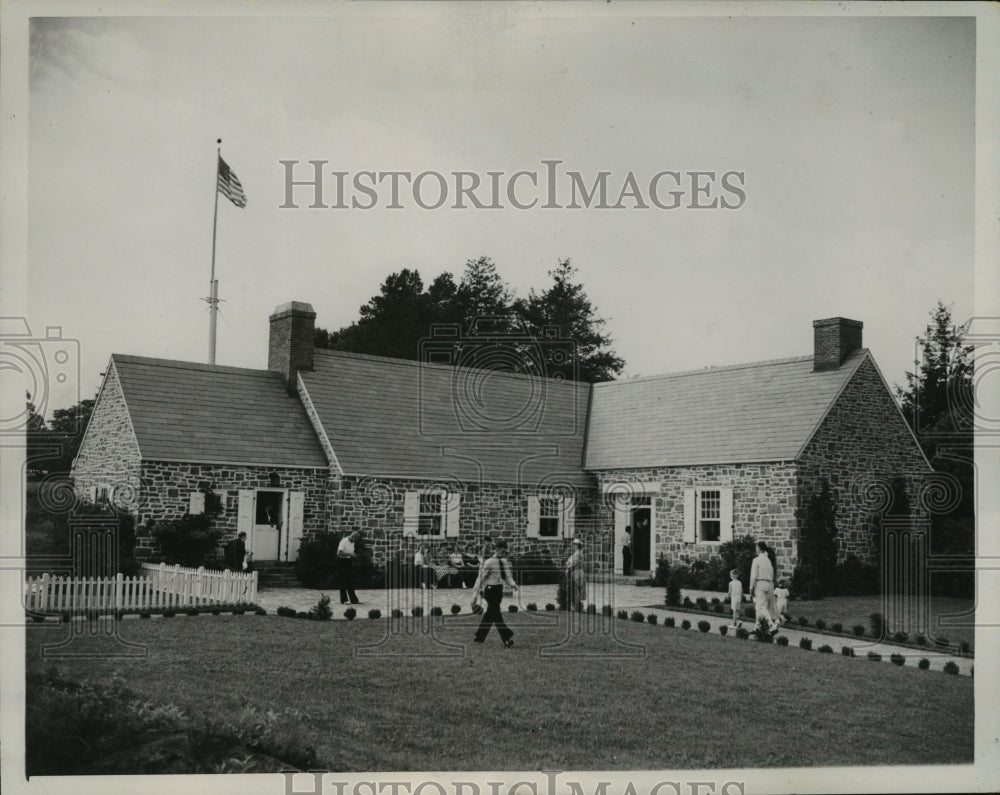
x=622, y=596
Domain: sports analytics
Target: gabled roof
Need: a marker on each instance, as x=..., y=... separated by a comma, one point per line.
x=392, y=417
x=764, y=411
x=182, y=411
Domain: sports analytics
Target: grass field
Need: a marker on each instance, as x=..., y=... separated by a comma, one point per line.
x=690, y=701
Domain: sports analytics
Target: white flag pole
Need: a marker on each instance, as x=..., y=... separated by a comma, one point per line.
x=213, y=285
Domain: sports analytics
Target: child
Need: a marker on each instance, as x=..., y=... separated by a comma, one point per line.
x=735, y=595
x=781, y=600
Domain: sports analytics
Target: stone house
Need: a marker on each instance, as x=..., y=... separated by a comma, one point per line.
x=418, y=452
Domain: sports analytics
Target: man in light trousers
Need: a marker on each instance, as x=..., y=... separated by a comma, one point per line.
x=762, y=587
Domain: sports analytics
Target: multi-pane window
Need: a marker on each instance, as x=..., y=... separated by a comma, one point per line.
x=548, y=517
x=709, y=515
x=430, y=520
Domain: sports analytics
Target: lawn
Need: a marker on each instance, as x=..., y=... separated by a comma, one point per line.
x=689, y=701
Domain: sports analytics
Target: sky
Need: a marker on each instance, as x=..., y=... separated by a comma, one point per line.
x=854, y=138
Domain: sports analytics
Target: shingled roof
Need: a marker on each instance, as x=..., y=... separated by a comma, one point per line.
x=765, y=411
x=182, y=411
x=392, y=417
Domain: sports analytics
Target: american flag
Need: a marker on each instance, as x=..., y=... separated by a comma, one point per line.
x=229, y=185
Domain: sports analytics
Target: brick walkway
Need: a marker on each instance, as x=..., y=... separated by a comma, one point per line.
x=621, y=596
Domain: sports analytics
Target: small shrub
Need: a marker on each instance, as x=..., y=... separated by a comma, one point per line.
x=719, y=609
x=820, y=624
x=803, y=621
x=701, y=603
x=874, y=656
x=673, y=595
x=687, y=602
x=350, y=613
x=723, y=629
x=704, y=626
x=456, y=609
x=437, y=611
x=847, y=651
x=859, y=629
x=805, y=643
x=951, y=667
x=638, y=616
x=374, y=613
x=259, y=611
x=591, y=610
x=169, y=614
x=715, y=600
x=837, y=627
x=286, y=612
x=302, y=614
x=321, y=611
x=238, y=611
x=685, y=624
x=897, y=659
x=397, y=613
x=511, y=608
x=921, y=639
x=607, y=611
x=742, y=633
x=669, y=621
x=964, y=647
x=877, y=624
x=550, y=607
x=750, y=612
x=531, y=607
x=924, y=664
x=762, y=632
x=144, y=615
x=623, y=615
x=825, y=649
x=416, y=611
x=900, y=637
x=652, y=618
x=191, y=612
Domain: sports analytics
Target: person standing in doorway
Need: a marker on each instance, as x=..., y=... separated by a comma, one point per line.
x=346, y=556
x=627, y=552
x=492, y=576
x=762, y=587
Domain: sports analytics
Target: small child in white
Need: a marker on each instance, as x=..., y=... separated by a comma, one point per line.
x=781, y=600
x=735, y=595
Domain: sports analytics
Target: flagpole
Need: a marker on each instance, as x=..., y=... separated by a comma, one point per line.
x=213, y=285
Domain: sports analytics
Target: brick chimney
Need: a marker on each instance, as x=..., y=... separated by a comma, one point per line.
x=290, y=346
x=834, y=339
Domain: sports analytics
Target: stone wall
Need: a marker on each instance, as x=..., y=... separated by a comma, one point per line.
x=487, y=511
x=861, y=447
x=166, y=486
x=764, y=502
x=109, y=454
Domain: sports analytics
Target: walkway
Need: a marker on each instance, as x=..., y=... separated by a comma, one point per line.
x=621, y=596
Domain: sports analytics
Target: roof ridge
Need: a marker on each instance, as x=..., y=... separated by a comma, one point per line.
x=722, y=368
x=182, y=365
x=414, y=363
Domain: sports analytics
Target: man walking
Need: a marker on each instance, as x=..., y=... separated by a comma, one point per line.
x=494, y=573
x=345, y=564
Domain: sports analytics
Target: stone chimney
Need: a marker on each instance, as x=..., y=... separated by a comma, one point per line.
x=290, y=346
x=834, y=339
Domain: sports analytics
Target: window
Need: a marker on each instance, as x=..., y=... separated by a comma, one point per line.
x=709, y=515
x=548, y=517
x=429, y=521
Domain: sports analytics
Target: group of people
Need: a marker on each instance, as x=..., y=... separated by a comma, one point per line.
x=770, y=598
x=455, y=569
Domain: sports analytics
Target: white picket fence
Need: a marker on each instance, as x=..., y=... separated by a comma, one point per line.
x=159, y=587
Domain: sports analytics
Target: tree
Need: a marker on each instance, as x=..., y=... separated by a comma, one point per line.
x=566, y=307
x=483, y=297
x=52, y=448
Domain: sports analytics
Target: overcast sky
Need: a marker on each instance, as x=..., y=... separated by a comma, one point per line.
x=855, y=139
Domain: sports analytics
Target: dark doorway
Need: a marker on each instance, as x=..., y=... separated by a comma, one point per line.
x=640, y=534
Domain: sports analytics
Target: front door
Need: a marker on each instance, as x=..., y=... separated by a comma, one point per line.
x=640, y=516
x=269, y=521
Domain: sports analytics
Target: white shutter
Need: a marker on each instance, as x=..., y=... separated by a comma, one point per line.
x=93, y=494
x=244, y=517
x=690, y=515
x=411, y=512
x=296, y=510
x=567, y=511
x=451, y=503
x=196, y=502
x=534, y=516
x=726, y=514
x=621, y=522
